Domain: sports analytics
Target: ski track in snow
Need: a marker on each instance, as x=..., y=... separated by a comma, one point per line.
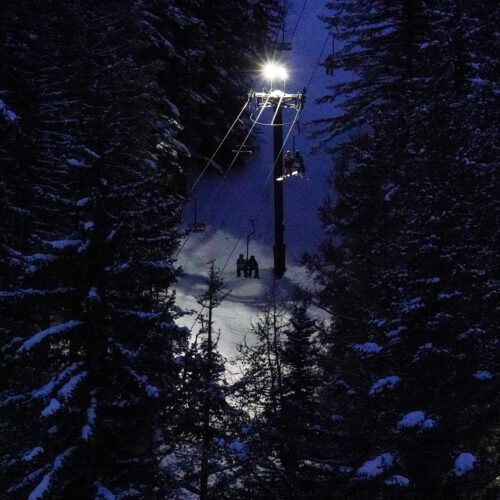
x=247, y=193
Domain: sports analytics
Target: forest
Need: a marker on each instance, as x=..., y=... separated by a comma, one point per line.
x=106, y=110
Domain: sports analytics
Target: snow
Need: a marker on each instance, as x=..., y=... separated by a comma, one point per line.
x=89, y=225
x=82, y=202
x=30, y=455
x=384, y=383
x=103, y=493
x=416, y=419
x=53, y=330
x=52, y=407
x=6, y=113
x=396, y=331
x=483, y=375
x=63, y=244
x=152, y=391
x=397, y=480
x=75, y=163
x=42, y=488
x=238, y=448
x=372, y=468
x=368, y=348
x=68, y=388
x=247, y=193
x=464, y=463
x=87, y=432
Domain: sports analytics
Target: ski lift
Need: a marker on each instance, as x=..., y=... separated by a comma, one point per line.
x=196, y=227
x=250, y=234
x=244, y=149
x=293, y=166
x=282, y=46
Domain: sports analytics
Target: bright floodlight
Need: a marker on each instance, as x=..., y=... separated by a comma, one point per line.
x=273, y=71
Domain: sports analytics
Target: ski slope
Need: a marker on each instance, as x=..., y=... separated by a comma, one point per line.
x=247, y=194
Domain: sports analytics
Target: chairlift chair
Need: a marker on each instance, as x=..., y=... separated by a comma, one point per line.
x=196, y=227
x=282, y=46
x=243, y=149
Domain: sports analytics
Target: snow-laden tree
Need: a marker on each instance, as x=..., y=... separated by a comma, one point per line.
x=411, y=378
x=91, y=339
x=278, y=390
x=203, y=456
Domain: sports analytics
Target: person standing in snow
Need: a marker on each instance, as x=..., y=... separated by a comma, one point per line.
x=253, y=266
x=241, y=265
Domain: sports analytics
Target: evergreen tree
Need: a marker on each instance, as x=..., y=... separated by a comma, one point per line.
x=88, y=318
x=204, y=454
x=279, y=390
x=410, y=359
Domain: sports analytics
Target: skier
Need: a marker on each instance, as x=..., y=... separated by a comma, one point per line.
x=298, y=162
x=288, y=163
x=329, y=62
x=253, y=266
x=241, y=265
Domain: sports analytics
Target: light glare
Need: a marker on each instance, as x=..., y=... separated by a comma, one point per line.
x=273, y=71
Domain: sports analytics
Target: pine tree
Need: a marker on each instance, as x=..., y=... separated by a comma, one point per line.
x=204, y=454
x=279, y=392
x=409, y=276
x=96, y=332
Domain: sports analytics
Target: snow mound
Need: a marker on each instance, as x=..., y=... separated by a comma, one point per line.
x=379, y=464
x=483, y=375
x=385, y=383
x=416, y=419
x=397, y=480
x=464, y=463
x=367, y=349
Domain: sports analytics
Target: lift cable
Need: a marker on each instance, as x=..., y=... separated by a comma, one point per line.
x=220, y=145
x=319, y=59
x=242, y=145
x=298, y=20
x=216, y=190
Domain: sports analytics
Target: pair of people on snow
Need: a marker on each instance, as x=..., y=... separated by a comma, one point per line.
x=293, y=164
x=247, y=267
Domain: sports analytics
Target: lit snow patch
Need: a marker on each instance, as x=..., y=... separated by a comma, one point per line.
x=89, y=226
x=367, y=349
x=397, y=480
x=416, y=419
x=93, y=294
x=372, y=468
x=38, y=337
x=384, y=383
x=483, y=375
x=464, y=463
x=52, y=407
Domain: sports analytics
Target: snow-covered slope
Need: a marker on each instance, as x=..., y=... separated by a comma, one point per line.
x=246, y=194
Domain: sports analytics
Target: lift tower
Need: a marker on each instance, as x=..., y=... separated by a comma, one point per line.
x=277, y=100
